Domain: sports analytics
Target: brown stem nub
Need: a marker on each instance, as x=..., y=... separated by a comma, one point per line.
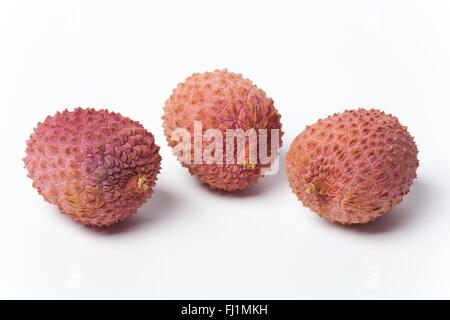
x=311, y=189
x=142, y=183
x=248, y=165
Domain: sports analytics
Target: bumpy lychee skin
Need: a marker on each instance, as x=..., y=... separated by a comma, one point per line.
x=352, y=167
x=222, y=100
x=96, y=166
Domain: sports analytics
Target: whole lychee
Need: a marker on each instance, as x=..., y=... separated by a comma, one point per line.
x=352, y=167
x=96, y=166
x=223, y=104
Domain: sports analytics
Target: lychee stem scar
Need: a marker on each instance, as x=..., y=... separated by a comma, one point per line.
x=142, y=183
x=311, y=189
x=249, y=165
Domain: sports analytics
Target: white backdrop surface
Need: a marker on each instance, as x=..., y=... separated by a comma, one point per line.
x=313, y=58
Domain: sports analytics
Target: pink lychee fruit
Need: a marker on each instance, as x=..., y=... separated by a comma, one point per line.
x=223, y=101
x=352, y=167
x=96, y=166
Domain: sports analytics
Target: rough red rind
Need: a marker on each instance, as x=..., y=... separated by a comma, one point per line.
x=352, y=167
x=221, y=100
x=96, y=166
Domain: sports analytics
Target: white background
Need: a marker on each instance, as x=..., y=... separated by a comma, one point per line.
x=314, y=58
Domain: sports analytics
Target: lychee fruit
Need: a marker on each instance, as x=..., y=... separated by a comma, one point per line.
x=352, y=167
x=219, y=106
x=96, y=166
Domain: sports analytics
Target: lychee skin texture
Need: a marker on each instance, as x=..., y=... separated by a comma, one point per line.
x=96, y=166
x=352, y=167
x=222, y=100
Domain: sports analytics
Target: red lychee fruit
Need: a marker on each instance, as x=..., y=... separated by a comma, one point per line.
x=352, y=167
x=96, y=166
x=221, y=101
